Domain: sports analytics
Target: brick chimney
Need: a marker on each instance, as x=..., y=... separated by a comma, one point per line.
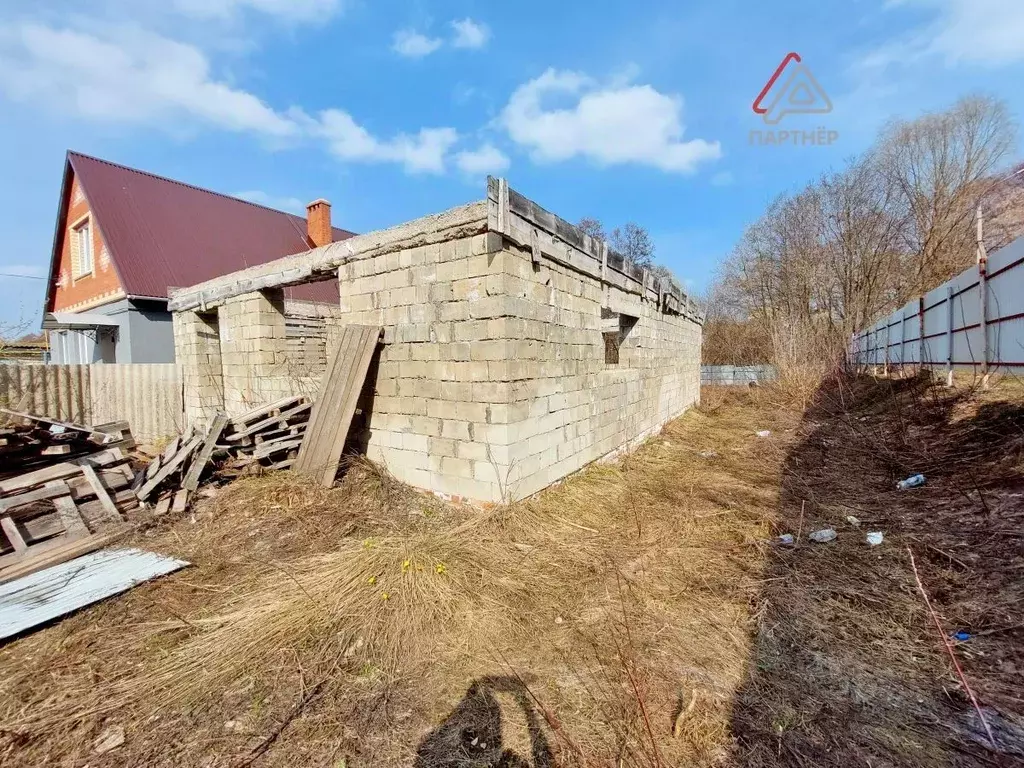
x=318, y=222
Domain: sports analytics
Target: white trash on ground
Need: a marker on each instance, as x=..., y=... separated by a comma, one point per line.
x=786, y=539
x=823, y=536
x=765, y=433
x=875, y=538
x=911, y=482
x=853, y=521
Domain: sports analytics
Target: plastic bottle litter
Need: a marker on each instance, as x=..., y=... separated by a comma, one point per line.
x=786, y=539
x=823, y=536
x=875, y=538
x=853, y=521
x=708, y=455
x=911, y=482
x=765, y=433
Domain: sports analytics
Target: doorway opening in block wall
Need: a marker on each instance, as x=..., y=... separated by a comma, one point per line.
x=615, y=328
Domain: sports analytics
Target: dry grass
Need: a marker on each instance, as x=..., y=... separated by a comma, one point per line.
x=604, y=605
x=637, y=614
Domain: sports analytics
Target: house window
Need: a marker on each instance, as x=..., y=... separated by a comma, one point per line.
x=81, y=249
x=615, y=329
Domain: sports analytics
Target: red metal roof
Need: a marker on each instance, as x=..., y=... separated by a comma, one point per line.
x=165, y=234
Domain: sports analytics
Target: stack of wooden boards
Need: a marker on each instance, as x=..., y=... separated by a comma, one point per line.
x=51, y=514
x=30, y=442
x=268, y=437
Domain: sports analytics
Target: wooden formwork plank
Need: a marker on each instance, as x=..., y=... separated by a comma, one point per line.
x=180, y=458
x=195, y=470
x=59, y=471
x=109, y=508
x=336, y=404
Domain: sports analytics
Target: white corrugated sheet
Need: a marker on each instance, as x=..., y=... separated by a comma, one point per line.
x=49, y=594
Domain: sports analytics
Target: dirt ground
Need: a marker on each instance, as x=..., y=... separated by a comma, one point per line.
x=642, y=613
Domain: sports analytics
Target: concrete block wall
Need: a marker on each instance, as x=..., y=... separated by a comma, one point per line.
x=492, y=382
x=567, y=406
x=197, y=351
x=438, y=411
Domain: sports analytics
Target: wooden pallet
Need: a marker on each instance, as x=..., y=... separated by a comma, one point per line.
x=67, y=508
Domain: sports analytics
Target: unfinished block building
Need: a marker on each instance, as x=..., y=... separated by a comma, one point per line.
x=515, y=348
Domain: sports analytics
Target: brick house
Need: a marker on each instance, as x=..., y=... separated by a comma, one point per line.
x=124, y=237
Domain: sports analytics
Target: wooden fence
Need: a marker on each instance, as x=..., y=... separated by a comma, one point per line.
x=148, y=396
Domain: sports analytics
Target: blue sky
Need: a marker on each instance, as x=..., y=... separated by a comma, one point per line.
x=624, y=111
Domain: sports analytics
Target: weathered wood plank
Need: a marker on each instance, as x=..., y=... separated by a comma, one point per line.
x=51, y=491
x=13, y=535
x=180, y=502
x=269, y=422
x=71, y=518
x=321, y=446
x=111, y=510
x=191, y=482
x=60, y=471
x=180, y=458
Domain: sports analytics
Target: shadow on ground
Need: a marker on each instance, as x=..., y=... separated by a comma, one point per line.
x=471, y=735
x=848, y=667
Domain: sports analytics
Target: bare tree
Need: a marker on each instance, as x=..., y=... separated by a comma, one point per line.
x=941, y=166
x=892, y=224
x=634, y=242
x=593, y=227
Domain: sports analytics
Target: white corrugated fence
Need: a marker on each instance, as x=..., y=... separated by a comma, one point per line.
x=974, y=321
x=147, y=396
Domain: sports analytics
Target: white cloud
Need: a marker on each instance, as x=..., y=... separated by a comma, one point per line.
x=413, y=45
x=609, y=125
x=424, y=152
x=291, y=10
x=485, y=159
x=127, y=75
x=289, y=204
x=470, y=34
x=985, y=32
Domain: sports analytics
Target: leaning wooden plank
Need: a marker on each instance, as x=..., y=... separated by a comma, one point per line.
x=56, y=450
x=180, y=458
x=191, y=482
x=13, y=535
x=332, y=414
x=51, y=491
x=163, y=506
x=60, y=471
x=113, y=513
x=59, y=551
x=71, y=518
x=172, y=448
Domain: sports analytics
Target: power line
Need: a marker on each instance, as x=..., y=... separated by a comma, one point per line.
x=27, y=277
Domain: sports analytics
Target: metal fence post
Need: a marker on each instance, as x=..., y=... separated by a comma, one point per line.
x=949, y=335
x=983, y=299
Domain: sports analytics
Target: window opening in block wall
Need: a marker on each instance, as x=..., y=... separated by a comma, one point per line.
x=615, y=329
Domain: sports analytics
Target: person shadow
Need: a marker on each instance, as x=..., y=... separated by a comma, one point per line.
x=471, y=735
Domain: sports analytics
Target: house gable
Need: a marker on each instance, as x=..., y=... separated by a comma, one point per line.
x=82, y=274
